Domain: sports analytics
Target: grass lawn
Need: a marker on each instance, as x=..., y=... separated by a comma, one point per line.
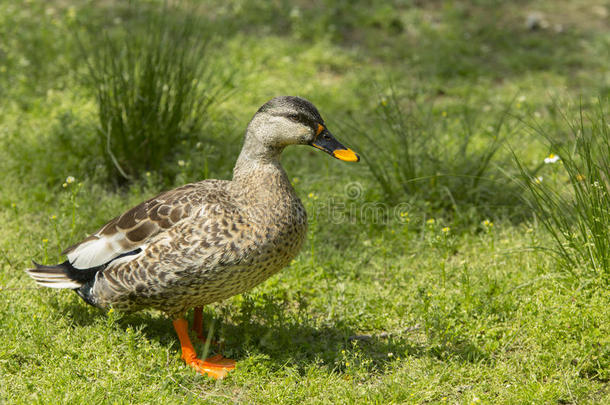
x=426, y=277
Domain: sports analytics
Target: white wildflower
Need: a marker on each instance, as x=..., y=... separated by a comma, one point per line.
x=551, y=159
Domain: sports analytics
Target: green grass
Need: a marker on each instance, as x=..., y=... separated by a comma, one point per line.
x=578, y=219
x=400, y=295
x=154, y=81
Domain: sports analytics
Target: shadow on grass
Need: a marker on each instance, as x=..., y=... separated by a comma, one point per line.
x=268, y=326
x=296, y=343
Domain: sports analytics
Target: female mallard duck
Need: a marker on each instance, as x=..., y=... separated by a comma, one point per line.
x=206, y=241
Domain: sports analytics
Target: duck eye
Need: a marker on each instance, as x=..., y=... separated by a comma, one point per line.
x=293, y=117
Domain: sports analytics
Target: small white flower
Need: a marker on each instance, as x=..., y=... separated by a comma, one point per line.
x=181, y=163
x=70, y=179
x=538, y=180
x=551, y=159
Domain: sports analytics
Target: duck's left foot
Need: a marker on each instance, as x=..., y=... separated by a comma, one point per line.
x=215, y=366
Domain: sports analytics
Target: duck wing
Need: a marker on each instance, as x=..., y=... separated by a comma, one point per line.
x=130, y=232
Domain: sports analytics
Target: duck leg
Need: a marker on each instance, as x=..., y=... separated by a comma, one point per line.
x=198, y=327
x=216, y=366
x=198, y=323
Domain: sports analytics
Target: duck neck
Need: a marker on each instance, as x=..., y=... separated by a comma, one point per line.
x=258, y=168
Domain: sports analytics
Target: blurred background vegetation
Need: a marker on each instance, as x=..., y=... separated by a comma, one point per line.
x=454, y=107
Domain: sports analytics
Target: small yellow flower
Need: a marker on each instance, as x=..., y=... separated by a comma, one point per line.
x=443, y=398
x=147, y=174
x=384, y=103
x=538, y=180
x=446, y=229
x=181, y=163
x=580, y=177
x=347, y=364
x=64, y=185
x=53, y=217
x=296, y=180
x=71, y=13
x=431, y=221
x=70, y=179
x=45, y=240
x=487, y=223
x=110, y=311
x=13, y=205
x=444, y=113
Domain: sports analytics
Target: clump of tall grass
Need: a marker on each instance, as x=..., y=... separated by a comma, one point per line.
x=153, y=77
x=446, y=159
x=576, y=212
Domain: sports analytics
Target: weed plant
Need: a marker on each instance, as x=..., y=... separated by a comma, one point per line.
x=153, y=80
x=576, y=213
x=449, y=160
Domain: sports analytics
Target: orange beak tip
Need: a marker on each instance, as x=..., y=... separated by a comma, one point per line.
x=346, y=155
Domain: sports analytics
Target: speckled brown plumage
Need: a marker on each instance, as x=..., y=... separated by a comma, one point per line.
x=230, y=237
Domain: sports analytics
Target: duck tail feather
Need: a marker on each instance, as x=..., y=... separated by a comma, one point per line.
x=62, y=275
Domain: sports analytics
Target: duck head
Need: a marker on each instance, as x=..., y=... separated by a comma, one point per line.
x=287, y=120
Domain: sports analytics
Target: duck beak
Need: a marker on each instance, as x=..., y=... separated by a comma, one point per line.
x=325, y=141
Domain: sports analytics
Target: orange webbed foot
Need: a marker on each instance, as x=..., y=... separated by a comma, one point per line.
x=215, y=366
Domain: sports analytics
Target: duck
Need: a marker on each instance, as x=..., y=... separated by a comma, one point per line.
x=206, y=241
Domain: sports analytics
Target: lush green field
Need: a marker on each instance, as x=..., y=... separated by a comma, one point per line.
x=426, y=277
